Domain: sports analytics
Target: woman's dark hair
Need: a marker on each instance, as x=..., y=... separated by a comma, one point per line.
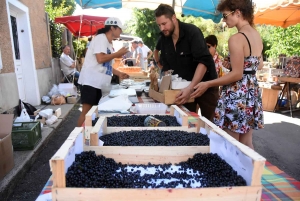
x=105, y=29
x=245, y=6
x=211, y=39
x=164, y=9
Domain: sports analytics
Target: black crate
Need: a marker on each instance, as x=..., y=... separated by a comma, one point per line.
x=26, y=135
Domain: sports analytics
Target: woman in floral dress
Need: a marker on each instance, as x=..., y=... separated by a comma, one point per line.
x=239, y=109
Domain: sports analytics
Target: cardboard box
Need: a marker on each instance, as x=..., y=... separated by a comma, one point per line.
x=72, y=100
x=6, y=148
x=165, y=94
x=69, y=88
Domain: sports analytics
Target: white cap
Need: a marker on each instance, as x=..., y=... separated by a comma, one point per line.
x=114, y=21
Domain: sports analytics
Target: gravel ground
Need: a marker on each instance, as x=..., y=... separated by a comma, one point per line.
x=278, y=143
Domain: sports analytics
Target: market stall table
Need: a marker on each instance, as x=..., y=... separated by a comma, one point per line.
x=277, y=185
x=286, y=89
x=269, y=96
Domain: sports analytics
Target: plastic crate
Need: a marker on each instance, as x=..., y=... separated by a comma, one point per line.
x=151, y=108
x=26, y=135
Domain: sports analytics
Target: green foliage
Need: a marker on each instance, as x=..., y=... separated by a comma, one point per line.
x=79, y=46
x=69, y=6
x=208, y=27
x=57, y=8
x=144, y=26
x=279, y=40
x=276, y=40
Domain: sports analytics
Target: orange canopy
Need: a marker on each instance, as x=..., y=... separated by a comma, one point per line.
x=277, y=12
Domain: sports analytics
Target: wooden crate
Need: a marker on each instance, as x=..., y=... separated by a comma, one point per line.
x=101, y=127
x=167, y=97
x=64, y=157
x=137, y=77
x=92, y=114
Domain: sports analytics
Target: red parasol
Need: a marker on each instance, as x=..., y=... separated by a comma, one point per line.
x=89, y=24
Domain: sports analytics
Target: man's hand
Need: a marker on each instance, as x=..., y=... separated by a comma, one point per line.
x=73, y=65
x=226, y=63
x=199, y=89
x=183, y=96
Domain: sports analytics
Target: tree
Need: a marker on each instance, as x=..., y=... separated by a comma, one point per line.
x=276, y=40
x=69, y=6
x=280, y=40
x=144, y=26
x=54, y=9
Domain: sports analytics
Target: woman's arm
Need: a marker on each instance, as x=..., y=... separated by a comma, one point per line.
x=236, y=60
x=237, y=63
x=102, y=57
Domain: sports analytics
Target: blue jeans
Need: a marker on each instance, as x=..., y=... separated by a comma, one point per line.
x=76, y=76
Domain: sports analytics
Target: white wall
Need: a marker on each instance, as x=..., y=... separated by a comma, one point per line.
x=45, y=80
x=9, y=95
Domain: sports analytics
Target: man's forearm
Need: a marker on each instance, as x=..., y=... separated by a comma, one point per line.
x=149, y=54
x=198, y=76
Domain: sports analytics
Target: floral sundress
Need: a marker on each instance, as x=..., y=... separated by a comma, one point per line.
x=239, y=107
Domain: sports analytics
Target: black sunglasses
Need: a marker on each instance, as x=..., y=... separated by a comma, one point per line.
x=225, y=16
x=208, y=46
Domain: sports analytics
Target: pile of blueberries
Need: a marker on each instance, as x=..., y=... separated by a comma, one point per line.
x=137, y=120
x=92, y=171
x=155, y=138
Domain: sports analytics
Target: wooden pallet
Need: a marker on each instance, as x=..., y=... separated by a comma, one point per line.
x=64, y=157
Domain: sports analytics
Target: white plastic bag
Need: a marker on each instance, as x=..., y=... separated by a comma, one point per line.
x=47, y=113
x=51, y=120
x=53, y=91
x=24, y=117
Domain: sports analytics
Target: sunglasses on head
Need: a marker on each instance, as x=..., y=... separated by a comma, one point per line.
x=225, y=16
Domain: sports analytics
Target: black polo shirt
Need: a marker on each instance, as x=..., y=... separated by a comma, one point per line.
x=191, y=49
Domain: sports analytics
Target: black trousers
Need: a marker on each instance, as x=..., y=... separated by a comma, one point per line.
x=207, y=103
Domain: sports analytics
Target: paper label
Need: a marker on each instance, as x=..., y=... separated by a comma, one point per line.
x=232, y=155
x=100, y=132
x=76, y=148
x=203, y=131
x=101, y=143
x=178, y=117
x=93, y=116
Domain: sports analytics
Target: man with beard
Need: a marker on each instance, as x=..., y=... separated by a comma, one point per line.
x=184, y=50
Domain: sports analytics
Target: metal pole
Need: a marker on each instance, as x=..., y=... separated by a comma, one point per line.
x=173, y=4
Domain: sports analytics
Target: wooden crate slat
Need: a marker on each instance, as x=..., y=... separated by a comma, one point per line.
x=188, y=194
x=89, y=115
x=58, y=163
x=146, y=154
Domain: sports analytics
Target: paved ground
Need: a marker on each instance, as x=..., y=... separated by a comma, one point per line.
x=30, y=187
x=278, y=142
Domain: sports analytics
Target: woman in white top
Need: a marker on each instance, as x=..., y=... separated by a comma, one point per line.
x=97, y=67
